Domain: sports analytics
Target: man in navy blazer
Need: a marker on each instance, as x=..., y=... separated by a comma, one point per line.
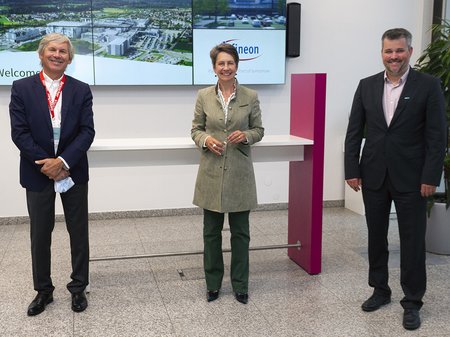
x=401, y=114
x=52, y=125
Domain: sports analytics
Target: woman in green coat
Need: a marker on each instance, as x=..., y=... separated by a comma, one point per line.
x=227, y=121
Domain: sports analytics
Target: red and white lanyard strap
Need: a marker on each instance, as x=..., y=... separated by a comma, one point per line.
x=52, y=103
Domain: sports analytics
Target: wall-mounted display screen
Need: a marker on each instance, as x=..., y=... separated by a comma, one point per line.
x=146, y=42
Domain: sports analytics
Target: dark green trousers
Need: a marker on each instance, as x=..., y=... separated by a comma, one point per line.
x=213, y=258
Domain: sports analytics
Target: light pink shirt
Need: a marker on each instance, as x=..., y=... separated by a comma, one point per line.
x=391, y=95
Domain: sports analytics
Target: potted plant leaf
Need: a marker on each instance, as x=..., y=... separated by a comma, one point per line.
x=435, y=60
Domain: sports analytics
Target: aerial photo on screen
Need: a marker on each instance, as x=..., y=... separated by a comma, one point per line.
x=144, y=30
x=239, y=14
x=145, y=42
x=141, y=30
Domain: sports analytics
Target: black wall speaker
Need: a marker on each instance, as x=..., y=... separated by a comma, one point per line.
x=293, y=15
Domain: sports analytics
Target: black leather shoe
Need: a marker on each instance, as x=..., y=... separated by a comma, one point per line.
x=375, y=301
x=39, y=303
x=212, y=295
x=241, y=297
x=411, y=319
x=79, y=302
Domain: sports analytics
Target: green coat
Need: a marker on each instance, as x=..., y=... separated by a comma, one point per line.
x=226, y=183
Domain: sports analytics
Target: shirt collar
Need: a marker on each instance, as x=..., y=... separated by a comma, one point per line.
x=49, y=81
x=402, y=79
x=234, y=87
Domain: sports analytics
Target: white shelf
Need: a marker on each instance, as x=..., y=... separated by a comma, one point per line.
x=174, y=143
x=182, y=151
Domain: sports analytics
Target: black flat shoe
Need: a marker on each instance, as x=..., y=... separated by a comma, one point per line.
x=79, y=302
x=241, y=297
x=212, y=295
x=374, y=302
x=411, y=319
x=39, y=303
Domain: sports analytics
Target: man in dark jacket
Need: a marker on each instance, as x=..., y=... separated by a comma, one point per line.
x=401, y=114
x=52, y=125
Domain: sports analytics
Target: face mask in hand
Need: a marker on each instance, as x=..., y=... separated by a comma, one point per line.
x=64, y=185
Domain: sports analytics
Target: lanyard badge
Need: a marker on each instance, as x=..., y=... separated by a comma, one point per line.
x=52, y=103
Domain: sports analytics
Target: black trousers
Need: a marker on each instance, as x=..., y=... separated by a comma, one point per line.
x=411, y=218
x=41, y=209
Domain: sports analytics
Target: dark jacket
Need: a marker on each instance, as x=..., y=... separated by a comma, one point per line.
x=32, y=132
x=411, y=150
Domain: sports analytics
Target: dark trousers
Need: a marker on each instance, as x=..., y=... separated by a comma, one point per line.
x=41, y=209
x=213, y=258
x=411, y=218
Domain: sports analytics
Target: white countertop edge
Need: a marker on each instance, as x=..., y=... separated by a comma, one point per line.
x=167, y=143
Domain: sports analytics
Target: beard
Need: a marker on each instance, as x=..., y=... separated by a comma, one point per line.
x=396, y=68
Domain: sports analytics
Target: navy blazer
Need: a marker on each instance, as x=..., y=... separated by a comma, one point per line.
x=412, y=148
x=32, y=132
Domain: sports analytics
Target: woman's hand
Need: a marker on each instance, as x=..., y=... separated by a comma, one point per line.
x=237, y=137
x=214, y=145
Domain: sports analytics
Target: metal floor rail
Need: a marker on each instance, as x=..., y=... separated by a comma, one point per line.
x=198, y=252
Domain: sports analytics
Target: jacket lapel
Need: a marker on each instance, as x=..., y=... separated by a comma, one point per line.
x=378, y=92
x=66, y=97
x=42, y=103
x=235, y=103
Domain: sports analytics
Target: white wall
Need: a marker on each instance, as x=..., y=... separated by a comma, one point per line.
x=340, y=38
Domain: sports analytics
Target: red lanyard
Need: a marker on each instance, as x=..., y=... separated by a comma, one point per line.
x=52, y=104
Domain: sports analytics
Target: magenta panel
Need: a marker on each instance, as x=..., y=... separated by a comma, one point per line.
x=308, y=95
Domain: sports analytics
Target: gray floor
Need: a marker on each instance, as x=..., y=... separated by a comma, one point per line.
x=148, y=297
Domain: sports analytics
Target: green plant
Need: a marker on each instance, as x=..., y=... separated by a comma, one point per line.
x=435, y=60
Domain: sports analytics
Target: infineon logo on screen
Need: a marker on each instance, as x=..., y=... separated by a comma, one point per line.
x=246, y=52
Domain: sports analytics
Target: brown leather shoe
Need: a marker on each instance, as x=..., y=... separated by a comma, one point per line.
x=39, y=303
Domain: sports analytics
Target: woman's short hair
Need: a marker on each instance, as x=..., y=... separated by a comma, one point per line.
x=59, y=38
x=226, y=48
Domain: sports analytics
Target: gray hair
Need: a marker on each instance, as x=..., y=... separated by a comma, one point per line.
x=59, y=38
x=397, y=33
